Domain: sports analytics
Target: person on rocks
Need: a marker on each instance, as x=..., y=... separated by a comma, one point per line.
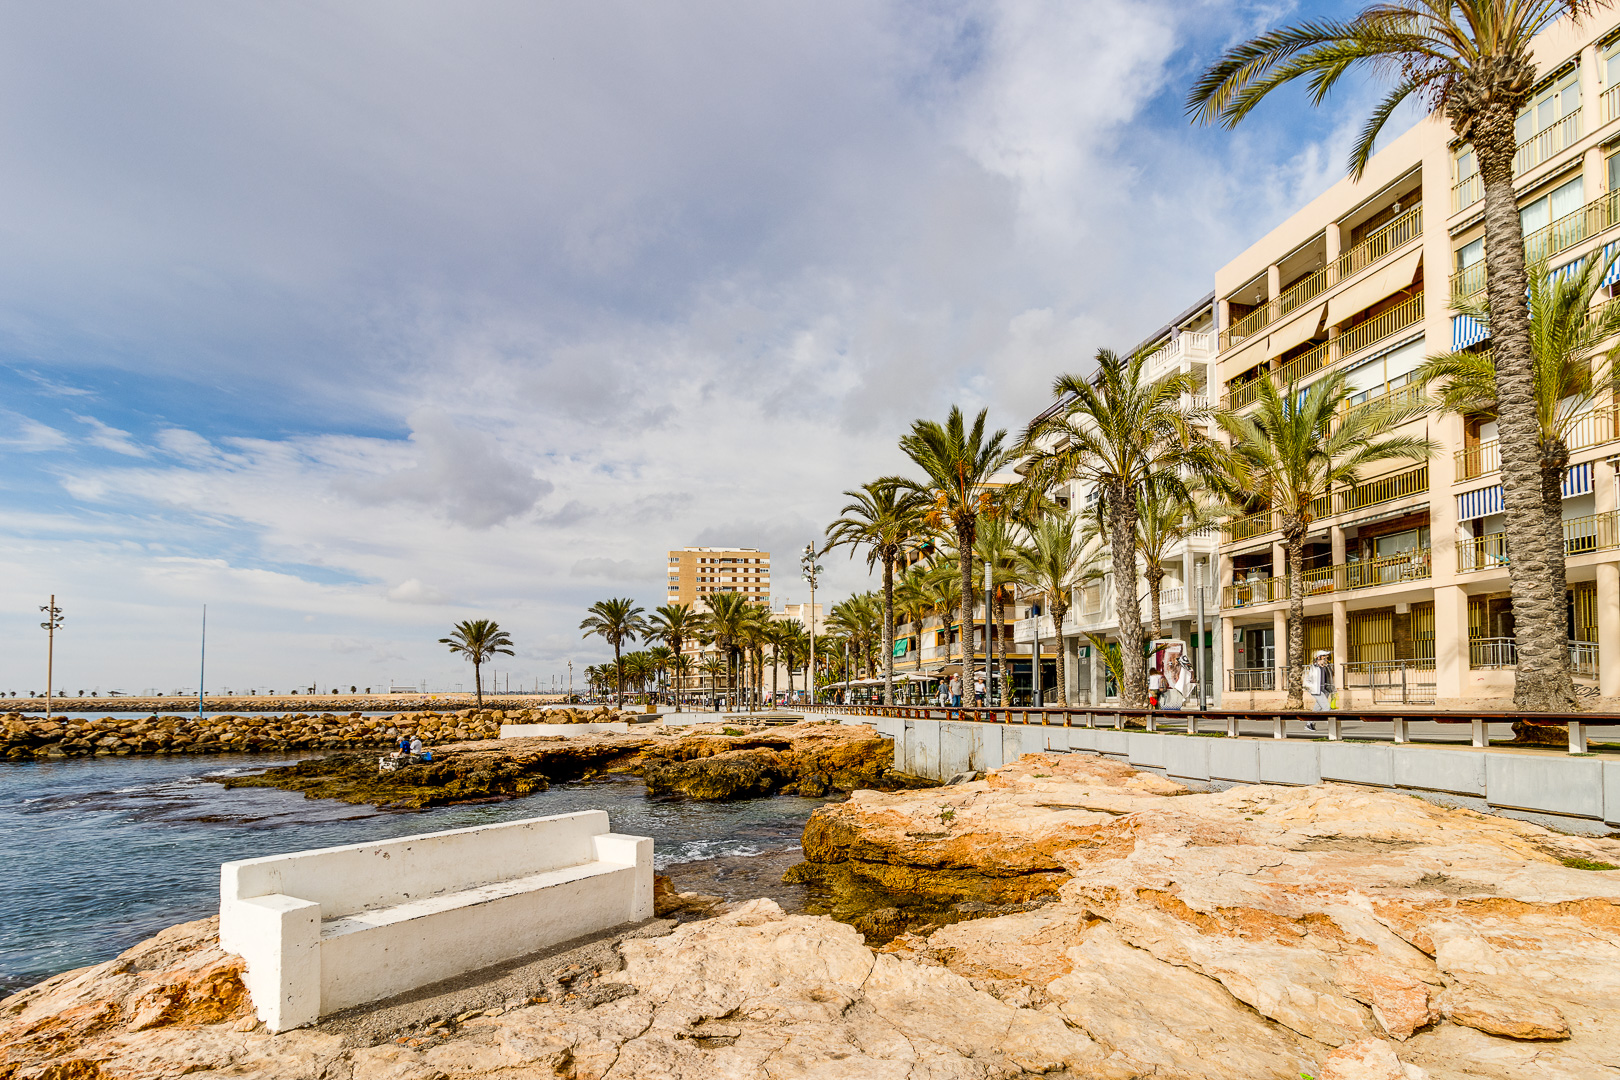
x=1319, y=684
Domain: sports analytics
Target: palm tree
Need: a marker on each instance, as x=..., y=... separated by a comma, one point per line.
x=1291, y=452
x=714, y=667
x=616, y=622
x=1471, y=60
x=1121, y=434
x=1051, y=563
x=725, y=623
x=958, y=464
x=996, y=546
x=795, y=647
x=662, y=658
x=479, y=640
x=674, y=625
x=1162, y=523
x=884, y=517
x=680, y=667
x=1571, y=370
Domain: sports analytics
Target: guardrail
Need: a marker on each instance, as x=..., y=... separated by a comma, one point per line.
x=1194, y=722
x=1352, y=341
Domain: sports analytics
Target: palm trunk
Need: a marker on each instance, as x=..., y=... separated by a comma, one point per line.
x=1155, y=580
x=888, y=629
x=618, y=675
x=1542, y=681
x=1127, y=609
x=964, y=558
x=478, y=686
x=1059, y=609
x=1294, y=545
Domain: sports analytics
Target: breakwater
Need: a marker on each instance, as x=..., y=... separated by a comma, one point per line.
x=30, y=737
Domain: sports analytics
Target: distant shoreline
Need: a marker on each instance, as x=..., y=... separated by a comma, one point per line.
x=265, y=703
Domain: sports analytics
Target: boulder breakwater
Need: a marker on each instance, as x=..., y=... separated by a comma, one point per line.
x=27, y=737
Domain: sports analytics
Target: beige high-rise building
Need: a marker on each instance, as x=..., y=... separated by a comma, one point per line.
x=697, y=572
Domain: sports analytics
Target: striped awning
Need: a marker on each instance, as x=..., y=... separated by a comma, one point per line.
x=1467, y=330
x=1483, y=502
x=1614, y=270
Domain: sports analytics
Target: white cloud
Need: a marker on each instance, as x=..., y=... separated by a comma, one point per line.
x=413, y=591
x=111, y=438
x=26, y=434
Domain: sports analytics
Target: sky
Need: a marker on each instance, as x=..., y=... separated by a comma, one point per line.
x=350, y=321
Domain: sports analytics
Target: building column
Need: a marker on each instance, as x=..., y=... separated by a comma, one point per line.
x=1273, y=281
x=1341, y=644
x=1223, y=666
x=1332, y=238
x=1608, y=616
x=1450, y=644
x=1279, y=623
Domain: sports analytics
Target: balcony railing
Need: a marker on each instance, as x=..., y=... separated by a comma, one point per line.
x=1189, y=344
x=1477, y=460
x=1385, y=489
x=1392, y=237
x=1176, y=597
x=1543, y=146
x=1353, y=340
x=1568, y=231
x=1254, y=525
x=1414, y=565
x=1582, y=535
x=1405, y=396
x=1610, y=100
x=1583, y=658
x=1482, y=553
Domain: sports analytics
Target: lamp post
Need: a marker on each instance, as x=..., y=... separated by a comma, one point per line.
x=202, y=662
x=812, y=574
x=570, y=682
x=989, y=670
x=53, y=619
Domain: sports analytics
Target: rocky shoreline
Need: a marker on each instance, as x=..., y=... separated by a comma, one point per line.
x=24, y=738
x=720, y=761
x=291, y=703
x=1257, y=933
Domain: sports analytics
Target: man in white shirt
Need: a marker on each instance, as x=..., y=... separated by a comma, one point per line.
x=1319, y=683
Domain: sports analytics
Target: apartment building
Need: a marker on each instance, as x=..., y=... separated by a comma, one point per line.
x=697, y=572
x=1406, y=575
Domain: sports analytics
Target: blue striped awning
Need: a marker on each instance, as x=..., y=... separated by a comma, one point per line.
x=1483, y=502
x=1578, y=480
x=1465, y=331
x=1614, y=270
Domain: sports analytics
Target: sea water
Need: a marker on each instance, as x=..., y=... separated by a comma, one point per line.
x=99, y=853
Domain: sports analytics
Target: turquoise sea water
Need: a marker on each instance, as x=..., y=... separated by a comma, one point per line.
x=98, y=853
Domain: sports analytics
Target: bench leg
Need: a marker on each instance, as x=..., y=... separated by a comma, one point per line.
x=1400, y=730
x=1279, y=728
x=1152, y=722
x=1481, y=738
x=1577, y=737
x=1231, y=727
x=1335, y=729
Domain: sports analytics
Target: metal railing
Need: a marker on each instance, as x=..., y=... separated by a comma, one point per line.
x=1482, y=553
x=1352, y=341
x=1492, y=652
x=1583, y=658
x=1258, y=591
x=1391, y=237
x=1414, y=565
x=1391, y=681
x=1543, y=146
x=1405, y=396
x=1477, y=460
x=1594, y=532
x=1260, y=678
x=1385, y=489
x=1550, y=240
x=1245, y=528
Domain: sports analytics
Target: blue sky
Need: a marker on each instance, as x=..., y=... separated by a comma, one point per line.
x=351, y=321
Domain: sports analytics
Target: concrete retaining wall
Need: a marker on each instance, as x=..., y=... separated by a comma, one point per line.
x=328, y=929
x=521, y=731
x=1536, y=783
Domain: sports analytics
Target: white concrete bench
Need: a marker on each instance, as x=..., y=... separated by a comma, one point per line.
x=328, y=929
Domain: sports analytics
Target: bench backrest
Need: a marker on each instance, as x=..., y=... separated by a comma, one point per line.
x=355, y=877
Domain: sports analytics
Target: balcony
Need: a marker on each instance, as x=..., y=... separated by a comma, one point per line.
x=1189, y=345
x=1384, y=489
x=1481, y=459
x=1582, y=535
x=1610, y=101
x=1593, y=428
x=1392, y=237
x=1543, y=146
x=1414, y=565
x=1182, y=599
x=1596, y=216
x=1352, y=341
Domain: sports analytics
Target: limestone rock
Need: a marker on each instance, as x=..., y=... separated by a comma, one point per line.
x=1517, y=1016
x=1368, y=1059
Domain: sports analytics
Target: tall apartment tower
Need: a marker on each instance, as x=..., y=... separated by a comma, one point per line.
x=697, y=572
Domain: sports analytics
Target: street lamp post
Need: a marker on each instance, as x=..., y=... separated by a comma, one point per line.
x=812, y=574
x=53, y=619
x=989, y=665
x=570, y=682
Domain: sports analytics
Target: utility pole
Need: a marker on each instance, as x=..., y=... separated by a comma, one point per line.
x=53, y=619
x=202, y=665
x=1199, y=671
x=812, y=574
x=570, y=680
x=1040, y=696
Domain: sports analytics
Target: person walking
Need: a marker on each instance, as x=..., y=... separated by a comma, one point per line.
x=1155, y=686
x=956, y=689
x=1319, y=684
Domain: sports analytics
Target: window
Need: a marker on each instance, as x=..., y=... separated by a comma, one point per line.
x=1558, y=203
x=1610, y=67
x=1558, y=100
x=1614, y=172
x=1465, y=164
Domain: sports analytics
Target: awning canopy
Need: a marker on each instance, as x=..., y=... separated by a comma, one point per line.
x=1392, y=278
x=1296, y=332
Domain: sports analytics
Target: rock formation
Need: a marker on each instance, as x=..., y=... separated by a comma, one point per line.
x=1260, y=933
